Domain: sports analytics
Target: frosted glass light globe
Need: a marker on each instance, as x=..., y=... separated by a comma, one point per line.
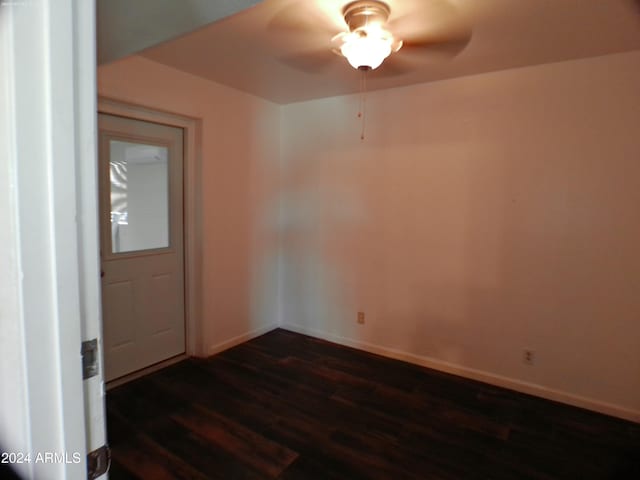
x=366, y=51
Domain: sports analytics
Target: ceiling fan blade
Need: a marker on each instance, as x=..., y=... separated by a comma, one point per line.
x=394, y=66
x=433, y=49
x=412, y=57
x=311, y=62
x=308, y=18
x=436, y=26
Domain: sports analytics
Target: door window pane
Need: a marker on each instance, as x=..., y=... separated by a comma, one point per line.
x=139, y=196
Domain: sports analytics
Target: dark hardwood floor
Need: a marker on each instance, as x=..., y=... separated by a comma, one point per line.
x=290, y=407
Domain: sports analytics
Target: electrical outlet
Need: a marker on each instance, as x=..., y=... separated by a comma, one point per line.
x=361, y=318
x=528, y=357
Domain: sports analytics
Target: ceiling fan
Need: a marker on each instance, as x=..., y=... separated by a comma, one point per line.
x=369, y=32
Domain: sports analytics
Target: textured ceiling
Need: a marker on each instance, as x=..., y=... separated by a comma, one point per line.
x=244, y=51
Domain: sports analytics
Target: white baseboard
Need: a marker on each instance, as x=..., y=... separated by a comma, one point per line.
x=232, y=342
x=482, y=376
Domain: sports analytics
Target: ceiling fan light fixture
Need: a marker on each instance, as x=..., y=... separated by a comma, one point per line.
x=366, y=51
x=367, y=43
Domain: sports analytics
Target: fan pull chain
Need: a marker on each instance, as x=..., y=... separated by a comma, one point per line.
x=363, y=100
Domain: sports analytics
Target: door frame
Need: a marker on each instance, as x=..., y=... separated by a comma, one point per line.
x=47, y=161
x=192, y=193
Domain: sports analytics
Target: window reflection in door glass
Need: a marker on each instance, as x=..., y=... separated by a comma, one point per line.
x=139, y=196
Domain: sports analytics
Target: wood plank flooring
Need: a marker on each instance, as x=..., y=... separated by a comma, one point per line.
x=290, y=407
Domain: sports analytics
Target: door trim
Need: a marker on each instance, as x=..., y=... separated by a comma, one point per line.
x=192, y=208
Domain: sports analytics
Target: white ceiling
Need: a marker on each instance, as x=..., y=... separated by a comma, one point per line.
x=244, y=52
x=128, y=26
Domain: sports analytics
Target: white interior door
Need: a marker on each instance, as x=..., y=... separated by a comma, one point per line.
x=141, y=217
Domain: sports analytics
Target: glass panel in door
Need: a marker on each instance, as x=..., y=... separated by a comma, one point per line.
x=139, y=194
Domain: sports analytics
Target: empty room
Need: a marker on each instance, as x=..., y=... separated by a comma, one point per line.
x=352, y=240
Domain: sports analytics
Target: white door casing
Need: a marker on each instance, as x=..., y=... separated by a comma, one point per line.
x=141, y=181
x=192, y=158
x=47, y=126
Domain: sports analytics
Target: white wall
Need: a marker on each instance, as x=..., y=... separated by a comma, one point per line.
x=240, y=153
x=481, y=216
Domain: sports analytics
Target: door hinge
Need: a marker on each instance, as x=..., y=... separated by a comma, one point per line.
x=98, y=462
x=89, y=358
